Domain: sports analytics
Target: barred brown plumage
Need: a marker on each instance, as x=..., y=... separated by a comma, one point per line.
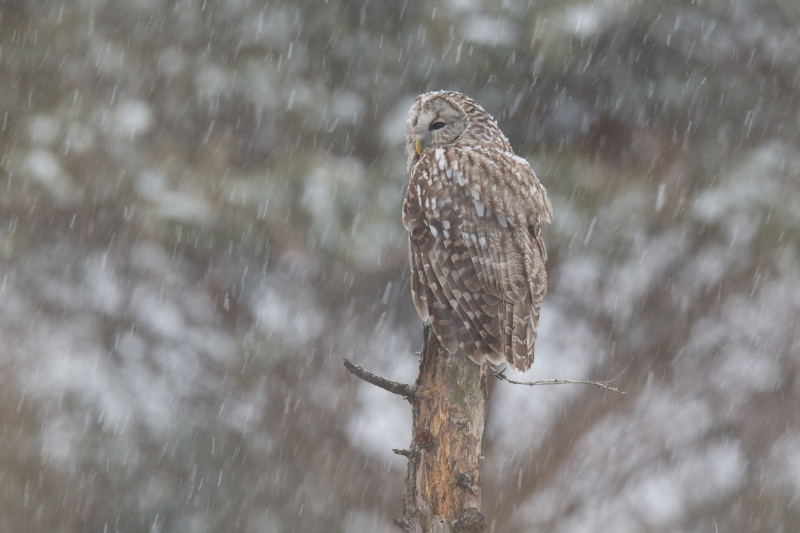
x=474, y=212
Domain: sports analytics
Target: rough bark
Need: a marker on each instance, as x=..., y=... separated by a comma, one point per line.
x=448, y=400
x=443, y=491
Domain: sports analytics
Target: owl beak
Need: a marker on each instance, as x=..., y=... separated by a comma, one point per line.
x=418, y=146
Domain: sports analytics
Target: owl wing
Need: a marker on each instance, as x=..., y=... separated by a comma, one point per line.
x=477, y=257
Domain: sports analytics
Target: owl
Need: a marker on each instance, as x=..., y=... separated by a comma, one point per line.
x=474, y=212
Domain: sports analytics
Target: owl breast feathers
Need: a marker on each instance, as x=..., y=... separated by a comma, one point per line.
x=474, y=212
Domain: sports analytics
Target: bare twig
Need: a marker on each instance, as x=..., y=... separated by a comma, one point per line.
x=601, y=384
x=408, y=454
x=406, y=391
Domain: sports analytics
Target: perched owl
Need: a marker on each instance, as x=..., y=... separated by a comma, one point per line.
x=474, y=212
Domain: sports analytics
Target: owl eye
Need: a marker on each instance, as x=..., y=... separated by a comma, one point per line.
x=437, y=126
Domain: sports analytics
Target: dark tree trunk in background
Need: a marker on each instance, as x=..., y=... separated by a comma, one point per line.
x=443, y=492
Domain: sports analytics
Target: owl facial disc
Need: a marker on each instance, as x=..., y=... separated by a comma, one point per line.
x=437, y=122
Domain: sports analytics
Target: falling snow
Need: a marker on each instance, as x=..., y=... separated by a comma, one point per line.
x=201, y=217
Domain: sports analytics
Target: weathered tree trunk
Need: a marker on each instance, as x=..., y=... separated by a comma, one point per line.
x=448, y=400
x=443, y=491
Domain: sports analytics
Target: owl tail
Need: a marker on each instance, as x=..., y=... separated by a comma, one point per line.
x=522, y=321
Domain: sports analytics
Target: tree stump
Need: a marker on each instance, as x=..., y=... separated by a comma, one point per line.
x=443, y=491
x=448, y=400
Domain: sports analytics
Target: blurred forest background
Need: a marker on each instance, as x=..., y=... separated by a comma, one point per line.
x=200, y=216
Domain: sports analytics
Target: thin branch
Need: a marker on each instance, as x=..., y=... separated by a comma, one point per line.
x=601, y=384
x=406, y=391
x=408, y=454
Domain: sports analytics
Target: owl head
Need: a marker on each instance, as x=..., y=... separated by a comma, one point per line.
x=444, y=118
